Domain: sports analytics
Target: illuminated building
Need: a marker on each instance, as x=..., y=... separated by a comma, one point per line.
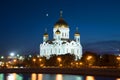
x=61, y=43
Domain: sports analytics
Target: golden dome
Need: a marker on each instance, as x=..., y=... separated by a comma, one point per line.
x=61, y=24
x=77, y=34
x=45, y=34
x=57, y=32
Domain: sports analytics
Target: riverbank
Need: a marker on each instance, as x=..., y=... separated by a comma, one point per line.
x=112, y=72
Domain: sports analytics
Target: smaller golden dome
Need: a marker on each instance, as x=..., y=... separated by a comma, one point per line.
x=45, y=34
x=77, y=34
x=57, y=32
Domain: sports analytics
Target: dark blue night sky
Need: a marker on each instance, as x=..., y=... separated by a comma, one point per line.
x=22, y=22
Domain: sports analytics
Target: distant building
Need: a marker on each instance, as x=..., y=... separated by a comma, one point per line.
x=61, y=43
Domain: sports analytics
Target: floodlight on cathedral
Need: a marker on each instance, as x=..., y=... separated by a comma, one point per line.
x=61, y=43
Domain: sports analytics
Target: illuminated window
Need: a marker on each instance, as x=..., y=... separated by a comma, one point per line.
x=67, y=50
x=62, y=34
x=44, y=51
x=51, y=50
x=77, y=50
x=59, y=50
x=72, y=50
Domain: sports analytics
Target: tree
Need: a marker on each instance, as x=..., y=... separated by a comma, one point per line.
x=90, y=59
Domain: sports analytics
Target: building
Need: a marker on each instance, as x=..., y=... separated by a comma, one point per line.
x=61, y=43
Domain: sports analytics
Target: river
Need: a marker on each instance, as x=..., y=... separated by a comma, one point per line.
x=34, y=76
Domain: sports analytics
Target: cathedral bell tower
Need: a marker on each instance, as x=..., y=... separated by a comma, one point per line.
x=77, y=36
x=45, y=36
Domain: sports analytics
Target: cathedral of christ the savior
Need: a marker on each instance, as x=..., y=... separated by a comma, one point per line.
x=61, y=43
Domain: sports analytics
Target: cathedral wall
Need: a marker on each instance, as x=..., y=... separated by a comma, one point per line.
x=59, y=49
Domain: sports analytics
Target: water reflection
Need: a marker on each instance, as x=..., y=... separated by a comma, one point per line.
x=1, y=76
x=59, y=77
x=14, y=76
x=34, y=76
x=11, y=76
x=90, y=78
x=40, y=76
x=118, y=79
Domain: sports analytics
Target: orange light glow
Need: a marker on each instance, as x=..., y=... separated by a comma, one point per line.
x=90, y=78
x=89, y=57
x=59, y=59
x=59, y=77
x=40, y=76
x=34, y=76
x=34, y=60
x=118, y=79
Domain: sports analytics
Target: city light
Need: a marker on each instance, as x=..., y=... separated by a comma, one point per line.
x=89, y=57
x=12, y=54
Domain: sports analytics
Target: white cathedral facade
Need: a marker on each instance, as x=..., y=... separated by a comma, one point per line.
x=61, y=43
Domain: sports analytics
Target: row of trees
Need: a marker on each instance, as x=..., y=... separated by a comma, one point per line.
x=92, y=59
x=68, y=60
x=89, y=59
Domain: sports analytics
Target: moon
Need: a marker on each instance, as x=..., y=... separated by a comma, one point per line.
x=47, y=14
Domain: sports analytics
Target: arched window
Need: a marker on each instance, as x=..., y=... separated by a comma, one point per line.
x=72, y=50
x=51, y=51
x=77, y=50
x=67, y=50
x=62, y=34
x=44, y=51
x=59, y=50
x=72, y=43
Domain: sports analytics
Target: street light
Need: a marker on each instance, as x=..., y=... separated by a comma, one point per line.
x=34, y=60
x=89, y=60
x=12, y=55
x=89, y=57
x=118, y=59
x=40, y=59
x=59, y=60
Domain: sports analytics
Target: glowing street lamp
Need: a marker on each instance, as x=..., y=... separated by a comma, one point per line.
x=40, y=60
x=14, y=60
x=89, y=57
x=12, y=54
x=59, y=60
x=118, y=60
x=89, y=60
x=34, y=60
x=2, y=57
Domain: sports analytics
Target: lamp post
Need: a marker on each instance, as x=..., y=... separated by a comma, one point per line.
x=40, y=61
x=34, y=60
x=118, y=59
x=59, y=60
x=89, y=60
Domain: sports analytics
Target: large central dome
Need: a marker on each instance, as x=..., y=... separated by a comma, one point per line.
x=61, y=24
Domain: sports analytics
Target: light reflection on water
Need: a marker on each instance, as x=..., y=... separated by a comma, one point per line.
x=59, y=77
x=118, y=79
x=12, y=76
x=34, y=76
x=40, y=76
x=90, y=78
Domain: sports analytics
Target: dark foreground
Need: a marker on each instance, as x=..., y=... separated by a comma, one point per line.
x=113, y=72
